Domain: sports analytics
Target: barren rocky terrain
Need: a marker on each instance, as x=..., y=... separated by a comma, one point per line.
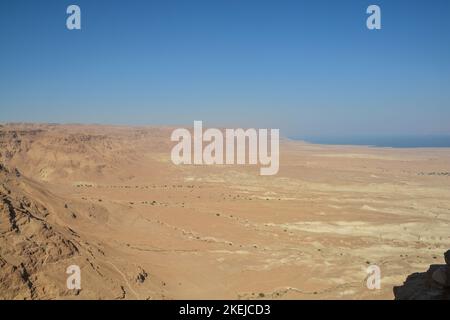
x=109, y=199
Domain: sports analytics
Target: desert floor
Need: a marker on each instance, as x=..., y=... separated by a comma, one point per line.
x=110, y=200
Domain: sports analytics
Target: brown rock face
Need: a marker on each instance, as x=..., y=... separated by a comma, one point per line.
x=36, y=247
x=421, y=286
x=431, y=285
x=442, y=276
x=28, y=242
x=447, y=257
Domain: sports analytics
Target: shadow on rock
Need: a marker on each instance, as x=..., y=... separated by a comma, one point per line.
x=434, y=284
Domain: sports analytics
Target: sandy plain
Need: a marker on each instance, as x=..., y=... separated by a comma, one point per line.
x=108, y=198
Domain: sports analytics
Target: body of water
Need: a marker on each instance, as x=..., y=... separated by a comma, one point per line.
x=425, y=141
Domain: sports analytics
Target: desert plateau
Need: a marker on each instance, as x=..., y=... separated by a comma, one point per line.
x=108, y=199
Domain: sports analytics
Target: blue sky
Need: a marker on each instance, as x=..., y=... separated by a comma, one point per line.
x=306, y=67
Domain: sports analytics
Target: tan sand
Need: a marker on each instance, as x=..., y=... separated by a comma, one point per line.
x=109, y=200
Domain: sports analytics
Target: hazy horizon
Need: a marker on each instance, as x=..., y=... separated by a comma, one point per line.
x=308, y=68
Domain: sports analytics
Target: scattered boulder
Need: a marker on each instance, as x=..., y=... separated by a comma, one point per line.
x=142, y=275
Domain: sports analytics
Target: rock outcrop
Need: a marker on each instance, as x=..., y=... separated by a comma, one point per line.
x=434, y=284
x=28, y=241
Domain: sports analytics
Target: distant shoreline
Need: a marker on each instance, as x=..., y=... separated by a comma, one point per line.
x=418, y=141
x=377, y=141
